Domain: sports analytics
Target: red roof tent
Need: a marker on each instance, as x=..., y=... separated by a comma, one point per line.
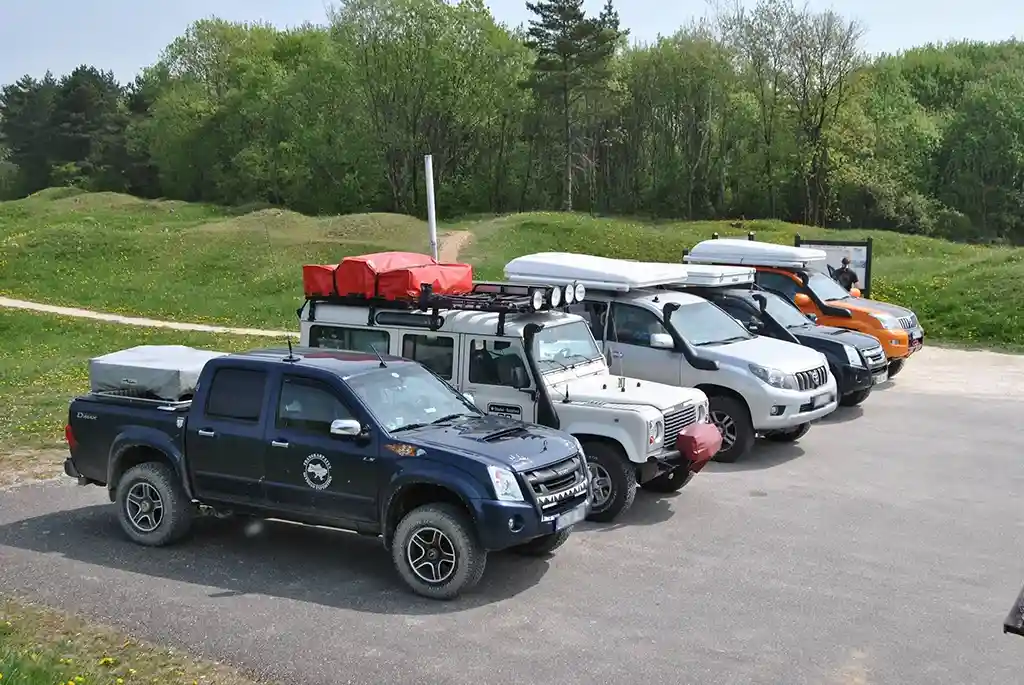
x=391, y=275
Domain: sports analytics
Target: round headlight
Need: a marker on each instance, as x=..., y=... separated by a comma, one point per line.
x=556, y=297
x=581, y=292
x=538, y=299
x=570, y=293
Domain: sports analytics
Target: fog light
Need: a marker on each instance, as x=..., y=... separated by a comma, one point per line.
x=515, y=523
x=778, y=410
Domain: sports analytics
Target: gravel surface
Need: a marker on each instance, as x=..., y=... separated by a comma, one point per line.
x=881, y=548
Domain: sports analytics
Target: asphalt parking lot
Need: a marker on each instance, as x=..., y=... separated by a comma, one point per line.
x=884, y=547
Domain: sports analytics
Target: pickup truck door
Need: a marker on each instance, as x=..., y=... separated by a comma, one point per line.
x=311, y=471
x=224, y=446
x=490, y=374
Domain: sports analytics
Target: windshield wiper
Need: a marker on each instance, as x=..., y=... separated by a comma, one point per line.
x=555, y=361
x=410, y=426
x=584, y=357
x=723, y=341
x=448, y=418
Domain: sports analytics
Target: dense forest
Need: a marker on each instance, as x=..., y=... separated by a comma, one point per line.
x=769, y=112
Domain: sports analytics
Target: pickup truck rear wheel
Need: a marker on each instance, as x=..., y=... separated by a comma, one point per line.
x=733, y=420
x=613, y=480
x=152, y=506
x=436, y=551
x=546, y=544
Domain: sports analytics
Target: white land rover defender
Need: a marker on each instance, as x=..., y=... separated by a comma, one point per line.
x=756, y=385
x=515, y=351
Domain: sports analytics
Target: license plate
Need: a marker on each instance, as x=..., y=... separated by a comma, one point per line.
x=821, y=400
x=880, y=377
x=571, y=517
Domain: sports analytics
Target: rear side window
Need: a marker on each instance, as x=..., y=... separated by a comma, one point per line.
x=436, y=352
x=355, y=339
x=236, y=394
x=784, y=285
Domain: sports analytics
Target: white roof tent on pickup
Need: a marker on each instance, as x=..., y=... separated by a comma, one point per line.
x=755, y=253
x=496, y=298
x=714, y=276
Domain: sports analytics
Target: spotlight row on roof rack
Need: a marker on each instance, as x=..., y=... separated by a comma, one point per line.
x=557, y=295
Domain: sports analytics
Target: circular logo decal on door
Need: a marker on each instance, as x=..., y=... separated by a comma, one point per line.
x=317, y=471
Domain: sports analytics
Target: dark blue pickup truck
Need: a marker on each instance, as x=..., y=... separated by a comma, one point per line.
x=374, y=444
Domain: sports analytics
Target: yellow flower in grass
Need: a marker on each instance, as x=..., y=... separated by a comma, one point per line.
x=108, y=661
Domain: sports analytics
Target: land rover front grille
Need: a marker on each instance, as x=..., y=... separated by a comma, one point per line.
x=908, y=322
x=559, y=487
x=815, y=378
x=676, y=420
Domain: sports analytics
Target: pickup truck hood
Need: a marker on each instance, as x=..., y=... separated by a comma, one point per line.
x=497, y=439
x=785, y=356
x=861, y=341
x=871, y=306
x=605, y=388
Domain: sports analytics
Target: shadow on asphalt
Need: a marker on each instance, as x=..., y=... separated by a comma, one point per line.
x=843, y=415
x=303, y=563
x=765, y=455
x=648, y=509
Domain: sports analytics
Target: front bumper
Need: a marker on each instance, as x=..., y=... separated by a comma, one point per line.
x=901, y=343
x=780, y=409
x=501, y=525
x=857, y=378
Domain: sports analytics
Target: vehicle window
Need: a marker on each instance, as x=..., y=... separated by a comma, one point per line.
x=780, y=283
x=593, y=313
x=564, y=346
x=406, y=395
x=633, y=326
x=737, y=312
x=785, y=312
x=309, y=406
x=436, y=352
x=825, y=288
x=343, y=338
x=236, y=394
x=703, y=323
x=496, y=362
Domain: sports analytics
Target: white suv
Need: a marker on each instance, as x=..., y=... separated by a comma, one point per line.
x=756, y=385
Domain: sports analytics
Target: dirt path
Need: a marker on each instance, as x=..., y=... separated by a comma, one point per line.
x=451, y=244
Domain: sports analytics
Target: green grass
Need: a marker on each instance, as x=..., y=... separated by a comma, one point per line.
x=45, y=363
x=202, y=263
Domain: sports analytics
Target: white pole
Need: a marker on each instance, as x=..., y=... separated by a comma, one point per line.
x=428, y=163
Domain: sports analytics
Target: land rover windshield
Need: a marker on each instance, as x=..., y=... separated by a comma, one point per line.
x=825, y=288
x=564, y=346
x=785, y=314
x=703, y=323
x=404, y=396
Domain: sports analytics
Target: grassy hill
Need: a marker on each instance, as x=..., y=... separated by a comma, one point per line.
x=202, y=263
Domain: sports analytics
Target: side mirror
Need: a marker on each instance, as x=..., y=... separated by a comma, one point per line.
x=346, y=427
x=662, y=341
x=753, y=327
x=802, y=300
x=813, y=317
x=855, y=292
x=469, y=398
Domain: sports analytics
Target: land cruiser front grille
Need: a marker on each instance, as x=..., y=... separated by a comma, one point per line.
x=815, y=378
x=676, y=420
x=559, y=487
x=908, y=322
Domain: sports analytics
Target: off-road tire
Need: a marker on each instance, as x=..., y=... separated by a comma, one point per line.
x=854, y=398
x=790, y=434
x=457, y=527
x=544, y=545
x=895, y=366
x=621, y=474
x=740, y=416
x=177, y=511
x=673, y=481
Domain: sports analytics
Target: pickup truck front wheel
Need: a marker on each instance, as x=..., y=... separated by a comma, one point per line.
x=152, y=506
x=436, y=551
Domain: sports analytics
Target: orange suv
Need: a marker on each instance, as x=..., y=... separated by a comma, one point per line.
x=800, y=274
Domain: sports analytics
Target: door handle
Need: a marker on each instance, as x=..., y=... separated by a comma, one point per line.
x=278, y=443
x=617, y=354
x=206, y=433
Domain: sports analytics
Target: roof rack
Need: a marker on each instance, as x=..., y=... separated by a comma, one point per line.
x=740, y=252
x=489, y=297
x=596, y=273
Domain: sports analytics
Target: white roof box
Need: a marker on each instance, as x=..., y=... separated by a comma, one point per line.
x=593, y=273
x=755, y=253
x=713, y=275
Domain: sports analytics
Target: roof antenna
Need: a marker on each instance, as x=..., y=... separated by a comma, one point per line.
x=291, y=356
x=374, y=348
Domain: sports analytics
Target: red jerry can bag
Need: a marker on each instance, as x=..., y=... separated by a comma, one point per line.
x=699, y=442
x=446, y=279
x=318, y=280
x=359, y=275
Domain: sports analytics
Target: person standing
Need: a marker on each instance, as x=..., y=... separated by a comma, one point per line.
x=846, y=276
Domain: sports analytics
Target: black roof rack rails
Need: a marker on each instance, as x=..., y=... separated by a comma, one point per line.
x=519, y=300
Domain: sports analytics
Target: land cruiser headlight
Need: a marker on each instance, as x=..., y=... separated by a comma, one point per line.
x=506, y=487
x=853, y=356
x=655, y=432
x=774, y=377
x=888, y=322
